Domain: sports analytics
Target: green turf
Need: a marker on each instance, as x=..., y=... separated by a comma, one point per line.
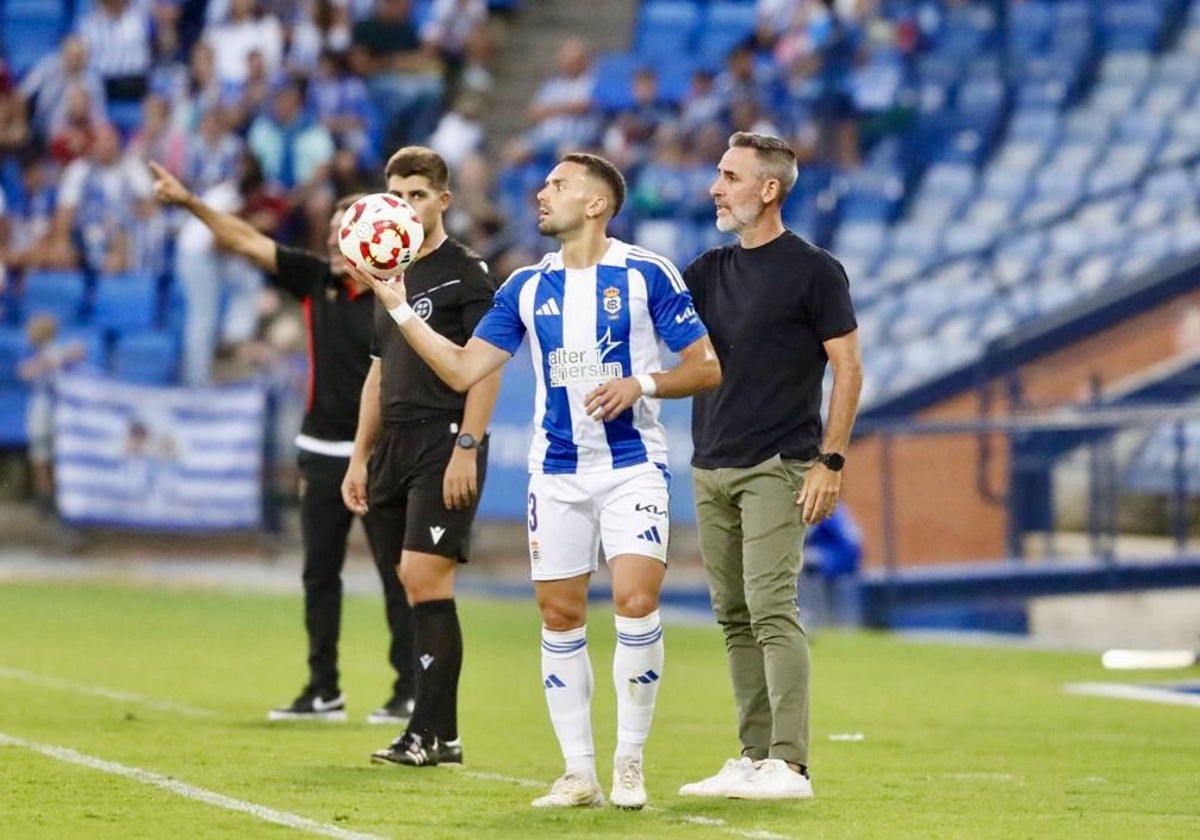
x=959, y=742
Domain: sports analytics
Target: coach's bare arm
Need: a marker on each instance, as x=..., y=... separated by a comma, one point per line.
x=458, y=367
x=231, y=233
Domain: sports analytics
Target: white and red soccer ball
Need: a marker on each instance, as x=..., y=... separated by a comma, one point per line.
x=380, y=234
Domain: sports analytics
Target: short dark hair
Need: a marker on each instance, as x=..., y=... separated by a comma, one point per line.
x=776, y=156
x=419, y=160
x=604, y=170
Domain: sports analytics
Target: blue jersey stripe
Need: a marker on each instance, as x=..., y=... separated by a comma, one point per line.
x=562, y=455
x=613, y=326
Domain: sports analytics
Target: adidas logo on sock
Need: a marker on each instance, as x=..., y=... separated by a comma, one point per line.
x=644, y=679
x=651, y=535
x=553, y=681
x=550, y=307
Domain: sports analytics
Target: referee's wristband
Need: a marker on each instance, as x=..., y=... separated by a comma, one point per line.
x=649, y=386
x=401, y=313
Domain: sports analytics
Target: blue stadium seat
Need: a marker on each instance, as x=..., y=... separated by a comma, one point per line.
x=57, y=293
x=125, y=302
x=666, y=28
x=613, y=88
x=725, y=26
x=92, y=339
x=12, y=349
x=13, y=403
x=149, y=358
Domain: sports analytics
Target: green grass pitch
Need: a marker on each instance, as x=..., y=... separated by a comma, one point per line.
x=958, y=742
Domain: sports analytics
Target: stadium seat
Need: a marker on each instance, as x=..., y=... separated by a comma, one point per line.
x=148, y=358
x=12, y=349
x=57, y=293
x=125, y=302
x=13, y=406
x=726, y=24
x=666, y=28
x=613, y=88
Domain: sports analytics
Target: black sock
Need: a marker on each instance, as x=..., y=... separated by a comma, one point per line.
x=437, y=640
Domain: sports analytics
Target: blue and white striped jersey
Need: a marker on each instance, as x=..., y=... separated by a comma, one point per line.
x=587, y=326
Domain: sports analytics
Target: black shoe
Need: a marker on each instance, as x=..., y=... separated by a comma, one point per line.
x=450, y=752
x=397, y=712
x=411, y=750
x=313, y=704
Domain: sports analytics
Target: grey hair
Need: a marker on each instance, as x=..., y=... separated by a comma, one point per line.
x=775, y=156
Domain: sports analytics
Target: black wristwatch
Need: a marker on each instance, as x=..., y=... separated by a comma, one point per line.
x=466, y=441
x=832, y=460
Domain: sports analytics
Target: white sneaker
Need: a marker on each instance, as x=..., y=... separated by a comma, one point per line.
x=572, y=791
x=735, y=770
x=772, y=779
x=629, y=786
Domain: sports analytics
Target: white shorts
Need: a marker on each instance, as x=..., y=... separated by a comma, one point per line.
x=572, y=516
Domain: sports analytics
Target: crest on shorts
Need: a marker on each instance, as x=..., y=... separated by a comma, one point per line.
x=612, y=301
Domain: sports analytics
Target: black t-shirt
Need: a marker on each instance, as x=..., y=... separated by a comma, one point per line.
x=450, y=289
x=382, y=38
x=339, y=342
x=768, y=310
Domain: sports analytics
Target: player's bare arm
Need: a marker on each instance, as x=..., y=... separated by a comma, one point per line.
x=459, y=367
x=354, y=485
x=460, y=484
x=231, y=233
x=698, y=370
x=822, y=486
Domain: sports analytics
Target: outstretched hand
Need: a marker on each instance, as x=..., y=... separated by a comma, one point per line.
x=391, y=293
x=167, y=188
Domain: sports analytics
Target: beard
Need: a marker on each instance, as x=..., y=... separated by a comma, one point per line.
x=739, y=217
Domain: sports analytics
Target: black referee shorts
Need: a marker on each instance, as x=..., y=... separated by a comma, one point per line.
x=404, y=491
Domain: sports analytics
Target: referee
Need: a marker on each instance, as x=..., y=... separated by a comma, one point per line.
x=339, y=312
x=420, y=455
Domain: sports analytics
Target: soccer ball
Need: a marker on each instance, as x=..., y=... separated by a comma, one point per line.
x=380, y=234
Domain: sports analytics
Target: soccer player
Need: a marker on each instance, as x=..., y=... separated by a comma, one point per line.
x=420, y=456
x=594, y=312
x=339, y=318
x=763, y=468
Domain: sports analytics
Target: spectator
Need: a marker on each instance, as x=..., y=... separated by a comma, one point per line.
x=327, y=29
x=38, y=370
x=447, y=31
x=30, y=217
x=212, y=152
x=293, y=148
x=251, y=99
x=74, y=126
x=340, y=101
x=101, y=197
x=460, y=132
x=829, y=67
x=627, y=140
x=117, y=35
x=561, y=112
x=44, y=87
x=221, y=290
x=201, y=93
x=403, y=76
x=159, y=138
x=14, y=127
x=702, y=104
x=246, y=31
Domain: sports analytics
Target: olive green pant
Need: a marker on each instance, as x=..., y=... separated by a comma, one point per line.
x=751, y=536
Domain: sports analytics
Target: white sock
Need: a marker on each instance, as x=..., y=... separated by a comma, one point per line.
x=637, y=672
x=567, y=678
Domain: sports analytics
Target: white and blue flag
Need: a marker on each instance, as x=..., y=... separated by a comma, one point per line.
x=158, y=458
x=586, y=327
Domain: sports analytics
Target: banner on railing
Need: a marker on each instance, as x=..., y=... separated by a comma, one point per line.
x=159, y=458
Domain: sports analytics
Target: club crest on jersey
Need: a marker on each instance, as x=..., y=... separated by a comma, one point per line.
x=612, y=301
x=423, y=307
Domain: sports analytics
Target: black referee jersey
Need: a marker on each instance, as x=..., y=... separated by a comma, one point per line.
x=450, y=289
x=338, y=318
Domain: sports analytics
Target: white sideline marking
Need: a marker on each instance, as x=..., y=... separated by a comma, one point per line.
x=1134, y=692
x=99, y=691
x=498, y=777
x=188, y=791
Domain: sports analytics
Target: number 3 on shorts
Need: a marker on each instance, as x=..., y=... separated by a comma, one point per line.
x=532, y=512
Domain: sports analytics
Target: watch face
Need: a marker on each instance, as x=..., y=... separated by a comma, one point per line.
x=833, y=460
x=466, y=441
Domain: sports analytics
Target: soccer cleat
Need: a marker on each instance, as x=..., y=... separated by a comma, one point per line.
x=397, y=712
x=572, y=791
x=411, y=750
x=629, y=786
x=313, y=704
x=772, y=779
x=450, y=752
x=735, y=770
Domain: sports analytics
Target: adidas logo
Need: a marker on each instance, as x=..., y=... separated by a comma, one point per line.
x=550, y=307
x=426, y=660
x=553, y=681
x=437, y=532
x=644, y=679
x=651, y=535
